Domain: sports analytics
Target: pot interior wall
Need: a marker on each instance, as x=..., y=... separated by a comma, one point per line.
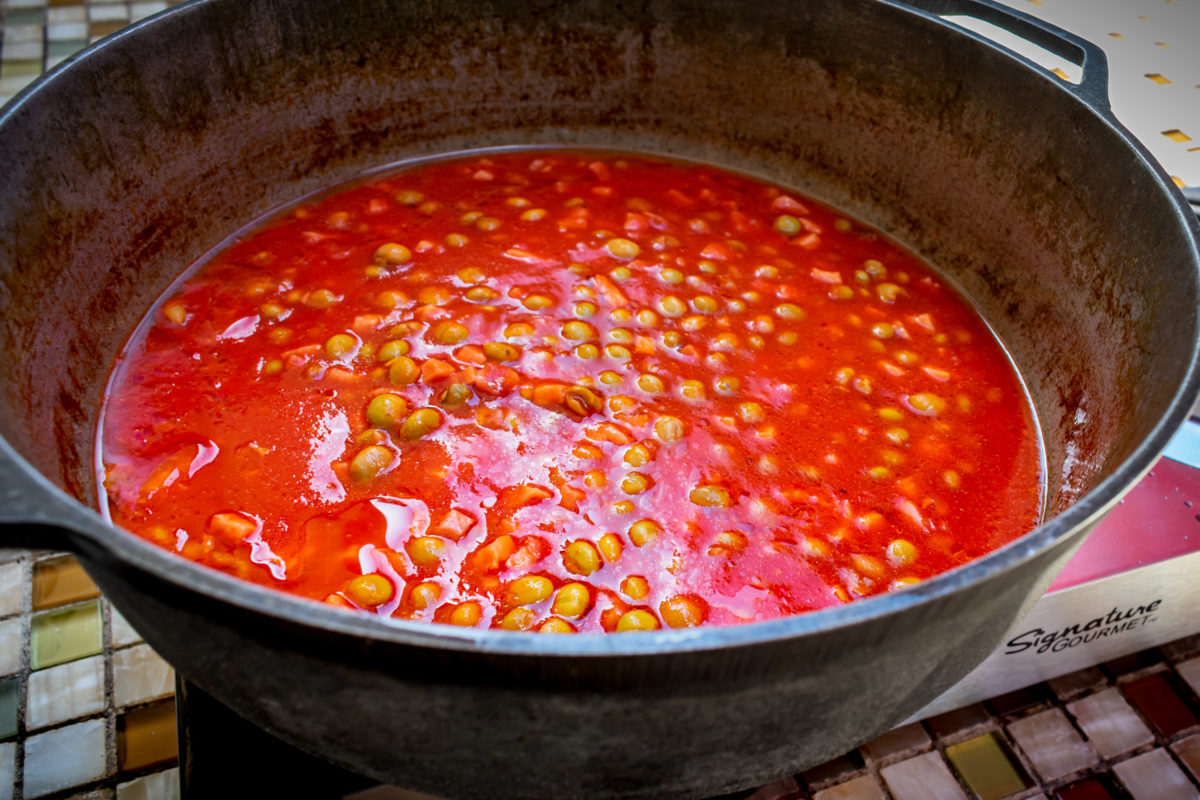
x=148, y=151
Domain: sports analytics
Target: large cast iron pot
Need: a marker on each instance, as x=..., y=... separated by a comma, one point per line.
x=131, y=160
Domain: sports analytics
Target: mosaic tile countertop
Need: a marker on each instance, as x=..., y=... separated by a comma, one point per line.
x=87, y=710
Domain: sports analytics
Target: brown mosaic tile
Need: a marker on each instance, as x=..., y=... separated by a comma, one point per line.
x=834, y=770
x=1020, y=700
x=1188, y=752
x=1161, y=704
x=1190, y=672
x=97, y=30
x=147, y=736
x=61, y=580
x=1093, y=788
x=1134, y=662
x=900, y=742
x=1074, y=684
x=782, y=789
x=959, y=720
x=1180, y=649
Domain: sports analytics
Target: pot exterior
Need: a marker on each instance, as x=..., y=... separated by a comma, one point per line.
x=476, y=725
x=133, y=160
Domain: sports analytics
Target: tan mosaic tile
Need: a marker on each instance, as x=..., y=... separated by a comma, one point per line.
x=1052, y=744
x=12, y=587
x=122, y=632
x=1190, y=672
x=159, y=786
x=925, y=777
x=864, y=788
x=1155, y=776
x=140, y=675
x=12, y=644
x=1110, y=723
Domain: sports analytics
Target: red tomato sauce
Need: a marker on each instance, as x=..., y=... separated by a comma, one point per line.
x=563, y=391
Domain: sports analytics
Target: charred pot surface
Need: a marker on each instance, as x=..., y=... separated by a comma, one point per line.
x=136, y=158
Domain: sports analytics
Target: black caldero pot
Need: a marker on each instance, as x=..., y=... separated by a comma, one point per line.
x=129, y=161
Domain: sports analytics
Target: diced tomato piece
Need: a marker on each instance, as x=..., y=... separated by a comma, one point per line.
x=532, y=550
x=454, y=525
x=490, y=556
x=523, y=494
x=435, y=369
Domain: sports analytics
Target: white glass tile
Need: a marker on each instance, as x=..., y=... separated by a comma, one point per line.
x=107, y=12
x=1155, y=776
x=140, y=674
x=70, y=690
x=925, y=777
x=16, y=34
x=8, y=769
x=1110, y=723
x=12, y=644
x=64, y=757
x=62, y=31
x=12, y=587
x=1051, y=743
x=159, y=786
x=58, y=14
x=23, y=51
x=143, y=10
x=122, y=632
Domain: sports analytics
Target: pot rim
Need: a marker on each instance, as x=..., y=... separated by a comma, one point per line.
x=129, y=549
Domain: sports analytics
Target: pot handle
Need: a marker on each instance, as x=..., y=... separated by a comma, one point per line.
x=34, y=513
x=1093, y=86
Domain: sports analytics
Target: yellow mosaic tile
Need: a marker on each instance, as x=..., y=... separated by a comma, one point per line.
x=65, y=634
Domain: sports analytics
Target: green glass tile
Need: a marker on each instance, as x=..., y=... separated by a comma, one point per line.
x=65, y=47
x=25, y=16
x=987, y=768
x=8, y=707
x=65, y=634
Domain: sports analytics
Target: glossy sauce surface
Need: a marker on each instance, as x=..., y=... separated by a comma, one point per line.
x=548, y=390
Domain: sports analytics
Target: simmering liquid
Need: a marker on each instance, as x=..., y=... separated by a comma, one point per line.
x=568, y=392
